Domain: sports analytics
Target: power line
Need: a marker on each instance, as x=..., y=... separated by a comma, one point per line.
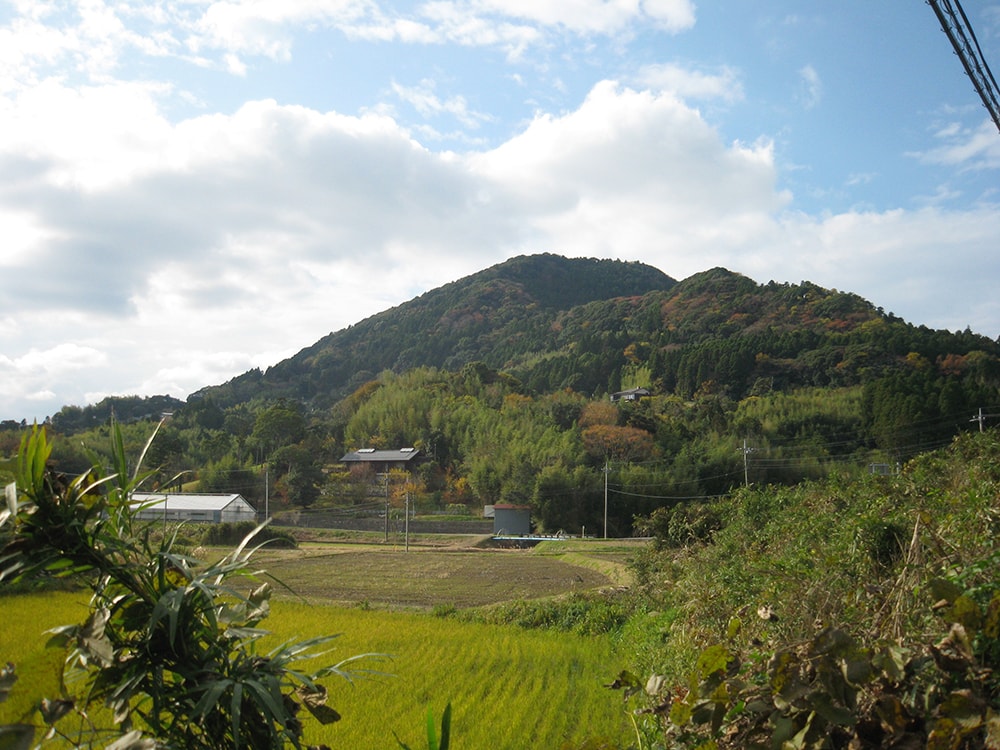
x=955, y=24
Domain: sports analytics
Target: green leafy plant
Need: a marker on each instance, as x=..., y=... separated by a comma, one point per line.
x=170, y=644
x=836, y=691
x=433, y=743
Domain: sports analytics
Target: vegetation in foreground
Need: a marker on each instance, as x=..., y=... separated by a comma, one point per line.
x=169, y=645
x=848, y=612
x=509, y=688
x=860, y=614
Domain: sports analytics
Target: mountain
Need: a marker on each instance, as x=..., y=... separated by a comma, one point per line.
x=497, y=316
x=597, y=326
x=503, y=377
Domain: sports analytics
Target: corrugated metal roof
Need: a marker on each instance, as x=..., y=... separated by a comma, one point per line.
x=187, y=501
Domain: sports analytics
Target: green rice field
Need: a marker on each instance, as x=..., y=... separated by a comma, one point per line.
x=509, y=688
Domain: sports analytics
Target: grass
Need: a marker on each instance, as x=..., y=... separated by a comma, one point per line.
x=423, y=578
x=508, y=687
x=26, y=617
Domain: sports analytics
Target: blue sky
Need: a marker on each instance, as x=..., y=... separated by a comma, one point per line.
x=190, y=188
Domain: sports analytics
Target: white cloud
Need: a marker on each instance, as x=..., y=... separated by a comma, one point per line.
x=43, y=375
x=93, y=37
x=160, y=237
x=675, y=15
x=909, y=262
x=424, y=99
x=593, y=16
x=978, y=148
x=812, y=87
x=114, y=134
x=692, y=84
x=637, y=148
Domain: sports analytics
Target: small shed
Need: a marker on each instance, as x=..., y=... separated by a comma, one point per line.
x=183, y=506
x=511, y=520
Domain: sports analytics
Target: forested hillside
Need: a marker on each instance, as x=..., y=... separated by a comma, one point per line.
x=502, y=381
x=493, y=316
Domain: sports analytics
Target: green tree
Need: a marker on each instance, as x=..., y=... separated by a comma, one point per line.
x=297, y=474
x=277, y=426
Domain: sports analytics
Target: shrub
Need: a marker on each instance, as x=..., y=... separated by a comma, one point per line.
x=583, y=614
x=681, y=524
x=884, y=542
x=230, y=534
x=835, y=690
x=169, y=645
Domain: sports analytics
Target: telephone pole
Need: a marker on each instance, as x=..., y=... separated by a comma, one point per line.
x=387, y=504
x=981, y=418
x=747, y=450
x=606, y=469
x=406, y=523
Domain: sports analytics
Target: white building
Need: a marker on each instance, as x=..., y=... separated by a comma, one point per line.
x=165, y=506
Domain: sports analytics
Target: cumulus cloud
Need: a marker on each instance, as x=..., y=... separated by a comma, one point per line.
x=630, y=172
x=151, y=246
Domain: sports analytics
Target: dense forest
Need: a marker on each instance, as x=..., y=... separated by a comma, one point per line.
x=503, y=381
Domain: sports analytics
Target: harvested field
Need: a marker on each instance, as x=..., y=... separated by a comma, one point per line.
x=421, y=579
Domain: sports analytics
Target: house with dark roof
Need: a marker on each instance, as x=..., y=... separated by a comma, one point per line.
x=382, y=461
x=632, y=394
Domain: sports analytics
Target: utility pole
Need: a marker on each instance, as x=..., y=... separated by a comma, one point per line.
x=981, y=418
x=267, y=494
x=747, y=450
x=406, y=524
x=606, y=469
x=387, y=505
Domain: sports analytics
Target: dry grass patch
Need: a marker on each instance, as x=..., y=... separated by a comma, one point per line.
x=426, y=578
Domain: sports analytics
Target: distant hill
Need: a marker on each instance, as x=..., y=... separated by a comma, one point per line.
x=124, y=409
x=496, y=316
x=597, y=326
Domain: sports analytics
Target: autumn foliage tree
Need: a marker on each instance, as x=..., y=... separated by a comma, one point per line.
x=620, y=444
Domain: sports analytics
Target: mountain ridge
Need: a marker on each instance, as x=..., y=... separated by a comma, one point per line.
x=467, y=320
x=599, y=325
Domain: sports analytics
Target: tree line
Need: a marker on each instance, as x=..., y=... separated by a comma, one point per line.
x=487, y=438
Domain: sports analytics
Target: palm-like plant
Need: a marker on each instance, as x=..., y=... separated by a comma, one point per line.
x=170, y=644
